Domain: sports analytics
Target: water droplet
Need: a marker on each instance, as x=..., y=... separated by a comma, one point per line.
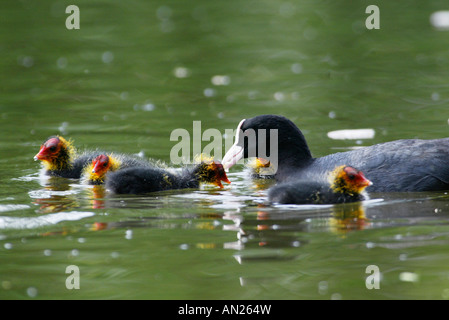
x=279, y=96
x=61, y=63
x=209, y=92
x=336, y=296
x=184, y=246
x=322, y=287
x=32, y=292
x=148, y=107
x=370, y=245
x=181, y=72
x=409, y=277
x=296, y=68
x=445, y=294
x=435, y=96
x=25, y=61
x=124, y=95
x=107, y=57
x=220, y=80
x=6, y=284
x=63, y=127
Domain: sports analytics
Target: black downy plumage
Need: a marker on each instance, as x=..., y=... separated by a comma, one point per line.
x=344, y=184
x=139, y=180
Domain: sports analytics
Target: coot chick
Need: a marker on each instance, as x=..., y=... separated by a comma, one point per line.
x=95, y=172
x=139, y=180
x=261, y=168
x=345, y=184
x=401, y=165
x=59, y=158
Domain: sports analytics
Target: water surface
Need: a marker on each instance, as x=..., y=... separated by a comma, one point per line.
x=136, y=71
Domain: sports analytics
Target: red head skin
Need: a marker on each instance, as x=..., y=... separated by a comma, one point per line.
x=356, y=178
x=101, y=164
x=220, y=174
x=49, y=150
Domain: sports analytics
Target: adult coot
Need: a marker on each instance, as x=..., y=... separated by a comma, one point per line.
x=138, y=180
x=60, y=158
x=344, y=184
x=401, y=165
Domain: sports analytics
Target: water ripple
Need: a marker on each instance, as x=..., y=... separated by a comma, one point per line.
x=40, y=221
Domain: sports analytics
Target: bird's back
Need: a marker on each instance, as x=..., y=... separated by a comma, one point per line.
x=136, y=180
x=401, y=165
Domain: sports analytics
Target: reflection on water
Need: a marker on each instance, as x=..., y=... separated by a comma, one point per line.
x=242, y=226
x=254, y=221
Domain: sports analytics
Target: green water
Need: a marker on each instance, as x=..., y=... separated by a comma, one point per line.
x=137, y=70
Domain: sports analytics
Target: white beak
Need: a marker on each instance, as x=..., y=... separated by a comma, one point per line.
x=235, y=153
x=232, y=156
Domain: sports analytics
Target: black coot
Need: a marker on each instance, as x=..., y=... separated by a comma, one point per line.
x=401, y=165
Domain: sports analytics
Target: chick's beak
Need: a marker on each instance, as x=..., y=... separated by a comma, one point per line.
x=95, y=168
x=219, y=184
x=221, y=175
x=365, y=182
x=225, y=179
x=40, y=155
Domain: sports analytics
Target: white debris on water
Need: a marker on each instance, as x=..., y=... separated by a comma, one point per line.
x=440, y=20
x=352, y=134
